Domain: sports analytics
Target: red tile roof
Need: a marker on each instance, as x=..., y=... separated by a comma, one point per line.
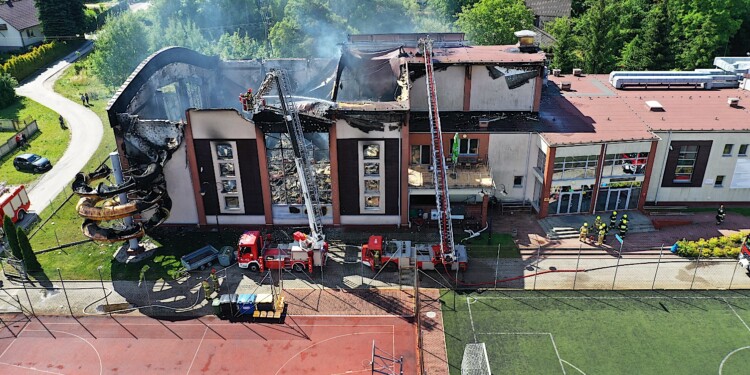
x=622, y=115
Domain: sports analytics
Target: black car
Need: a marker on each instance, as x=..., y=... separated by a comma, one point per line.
x=31, y=163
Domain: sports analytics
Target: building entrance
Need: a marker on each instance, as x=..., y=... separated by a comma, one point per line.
x=617, y=199
x=569, y=203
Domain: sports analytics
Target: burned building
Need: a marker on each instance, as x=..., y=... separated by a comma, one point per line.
x=365, y=118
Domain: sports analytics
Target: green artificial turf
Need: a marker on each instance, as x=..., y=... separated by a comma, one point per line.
x=633, y=332
x=500, y=243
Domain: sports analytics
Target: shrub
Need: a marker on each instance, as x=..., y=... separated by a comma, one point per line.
x=7, y=90
x=22, y=66
x=725, y=246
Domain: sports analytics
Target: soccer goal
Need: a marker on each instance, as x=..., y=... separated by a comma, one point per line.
x=475, y=361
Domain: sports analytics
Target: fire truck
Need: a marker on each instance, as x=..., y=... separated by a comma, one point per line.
x=744, y=257
x=14, y=201
x=306, y=251
x=402, y=254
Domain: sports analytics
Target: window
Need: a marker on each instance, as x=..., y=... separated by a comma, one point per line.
x=282, y=171
x=541, y=161
x=420, y=154
x=683, y=173
x=371, y=173
x=727, y=149
x=228, y=184
x=517, y=181
x=29, y=33
x=743, y=150
x=467, y=146
x=627, y=163
x=575, y=167
x=719, y=181
x=3, y=26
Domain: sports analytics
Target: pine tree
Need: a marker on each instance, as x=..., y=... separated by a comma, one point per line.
x=10, y=232
x=596, y=30
x=565, y=57
x=29, y=258
x=656, y=31
x=61, y=18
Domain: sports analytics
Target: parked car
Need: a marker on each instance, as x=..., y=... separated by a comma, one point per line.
x=32, y=163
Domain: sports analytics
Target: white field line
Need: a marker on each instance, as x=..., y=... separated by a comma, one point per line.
x=101, y=364
x=571, y=365
x=721, y=366
x=610, y=298
x=14, y=339
x=548, y=334
x=562, y=366
x=31, y=368
x=196, y=351
x=737, y=315
x=471, y=318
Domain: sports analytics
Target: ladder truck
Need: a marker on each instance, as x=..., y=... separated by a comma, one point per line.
x=443, y=256
x=306, y=251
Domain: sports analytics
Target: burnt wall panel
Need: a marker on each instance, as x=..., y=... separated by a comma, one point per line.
x=247, y=152
x=391, y=176
x=206, y=174
x=348, y=176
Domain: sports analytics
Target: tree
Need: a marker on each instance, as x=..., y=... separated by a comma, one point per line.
x=596, y=31
x=309, y=28
x=61, y=18
x=7, y=90
x=652, y=48
x=449, y=9
x=120, y=48
x=565, y=57
x=10, y=233
x=235, y=47
x=702, y=30
x=491, y=22
x=183, y=34
x=29, y=258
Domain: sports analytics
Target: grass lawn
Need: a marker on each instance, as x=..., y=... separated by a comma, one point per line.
x=480, y=247
x=51, y=141
x=745, y=211
x=627, y=332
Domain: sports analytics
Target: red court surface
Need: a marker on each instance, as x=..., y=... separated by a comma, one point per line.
x=141, y=345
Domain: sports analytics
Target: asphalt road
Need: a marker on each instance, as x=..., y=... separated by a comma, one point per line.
x=84, y=125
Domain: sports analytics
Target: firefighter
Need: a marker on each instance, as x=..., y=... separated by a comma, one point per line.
x=214, y=279
x=623, y=227
x=376, y=259
x=206, y=290
x=598, y=222
x=613, y=220
x=624, y=218
x=720, y=214
x=602, y=234
x=583, y=232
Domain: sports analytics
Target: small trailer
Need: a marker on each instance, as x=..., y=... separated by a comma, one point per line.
x=199, y=259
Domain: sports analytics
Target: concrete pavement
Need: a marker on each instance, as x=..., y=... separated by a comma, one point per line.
x=85, y=127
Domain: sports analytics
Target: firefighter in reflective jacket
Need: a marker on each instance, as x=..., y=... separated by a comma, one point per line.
x=602, y=234
x=613, y=220
x=583, y=232
x=623, y=227
x=206, y=289
x=597, y=222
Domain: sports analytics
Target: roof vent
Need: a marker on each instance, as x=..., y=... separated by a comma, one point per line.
x=527, y=41
x=565, y=85
x=484, y=123
x=733, y=102
x=556, y=72
x=654, y=106
x=577, y=72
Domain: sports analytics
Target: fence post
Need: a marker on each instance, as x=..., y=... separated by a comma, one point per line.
x=661, y=251
x=101, y=279
x=536, y=268
x=698, y=259
x=497, y=264
x=617, y=267
x=575, y=274
x=64, y=290
x=733, y=273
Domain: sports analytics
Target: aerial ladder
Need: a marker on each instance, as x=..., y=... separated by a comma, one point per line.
x=252, y=104
x=447, y=253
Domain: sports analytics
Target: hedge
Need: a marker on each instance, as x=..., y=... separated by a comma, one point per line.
x=22, y=66
x=719, y=247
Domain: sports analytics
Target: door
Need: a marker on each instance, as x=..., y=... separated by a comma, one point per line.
x=569, y=203
x=617, y=199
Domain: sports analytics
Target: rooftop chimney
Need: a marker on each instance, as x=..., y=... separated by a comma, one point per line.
x=577, y=72
x=483, y=123
x=733, y=102
x=565, y=85
x=527, y=41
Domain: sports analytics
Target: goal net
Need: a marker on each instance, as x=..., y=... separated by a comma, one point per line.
x=475, y=361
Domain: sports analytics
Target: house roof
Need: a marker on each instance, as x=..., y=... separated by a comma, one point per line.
x=21, y=14
x=622, y=115
x=556, y=8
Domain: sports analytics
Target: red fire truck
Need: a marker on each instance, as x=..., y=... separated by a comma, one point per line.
x=258, y=254
x=744, y=257
x=14, y=201
x=396, y=255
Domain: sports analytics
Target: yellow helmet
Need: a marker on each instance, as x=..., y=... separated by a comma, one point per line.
x=625, y=216
x=614, y=212
x=585, y=224
x=598, y=218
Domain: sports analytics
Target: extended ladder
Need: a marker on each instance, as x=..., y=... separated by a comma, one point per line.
x=447, y=251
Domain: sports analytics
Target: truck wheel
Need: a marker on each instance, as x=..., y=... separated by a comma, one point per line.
x=298, y=267
x=254, y=267
x=21, y=215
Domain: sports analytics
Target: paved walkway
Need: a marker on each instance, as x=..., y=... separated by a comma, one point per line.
x=85, y=128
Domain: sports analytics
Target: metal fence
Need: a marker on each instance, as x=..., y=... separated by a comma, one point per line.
x=11, y=144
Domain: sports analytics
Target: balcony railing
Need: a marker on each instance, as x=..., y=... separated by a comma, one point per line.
x=473, y=176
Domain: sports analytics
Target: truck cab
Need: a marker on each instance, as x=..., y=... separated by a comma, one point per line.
x=250, y=250
x=14, y=202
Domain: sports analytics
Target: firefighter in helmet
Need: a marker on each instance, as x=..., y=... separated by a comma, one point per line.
x=214, y=279
x=598, y=222
x=613, y=220
x=583, y=232
x=602, y=234
x=623, y=228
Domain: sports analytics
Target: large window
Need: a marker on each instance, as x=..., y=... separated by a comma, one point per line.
x=575, y=167
x=541, y=161
x=621, y=164
x=420, y=154
x=371, y=176
x=282, y=170
x=467, y=146
x=683, y=173
x=228, y=183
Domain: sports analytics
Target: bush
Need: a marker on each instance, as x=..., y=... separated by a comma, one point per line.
x=90, y=20
x=725, y=246
x=7, y=90
x=22, y=66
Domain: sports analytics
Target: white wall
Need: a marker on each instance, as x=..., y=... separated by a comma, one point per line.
x=507, y=155
x=37, y=38
x=10, y=39
x=717, y=165
x=220, y=124
x=489, y=94
x=180, y=189
x=450, y=90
